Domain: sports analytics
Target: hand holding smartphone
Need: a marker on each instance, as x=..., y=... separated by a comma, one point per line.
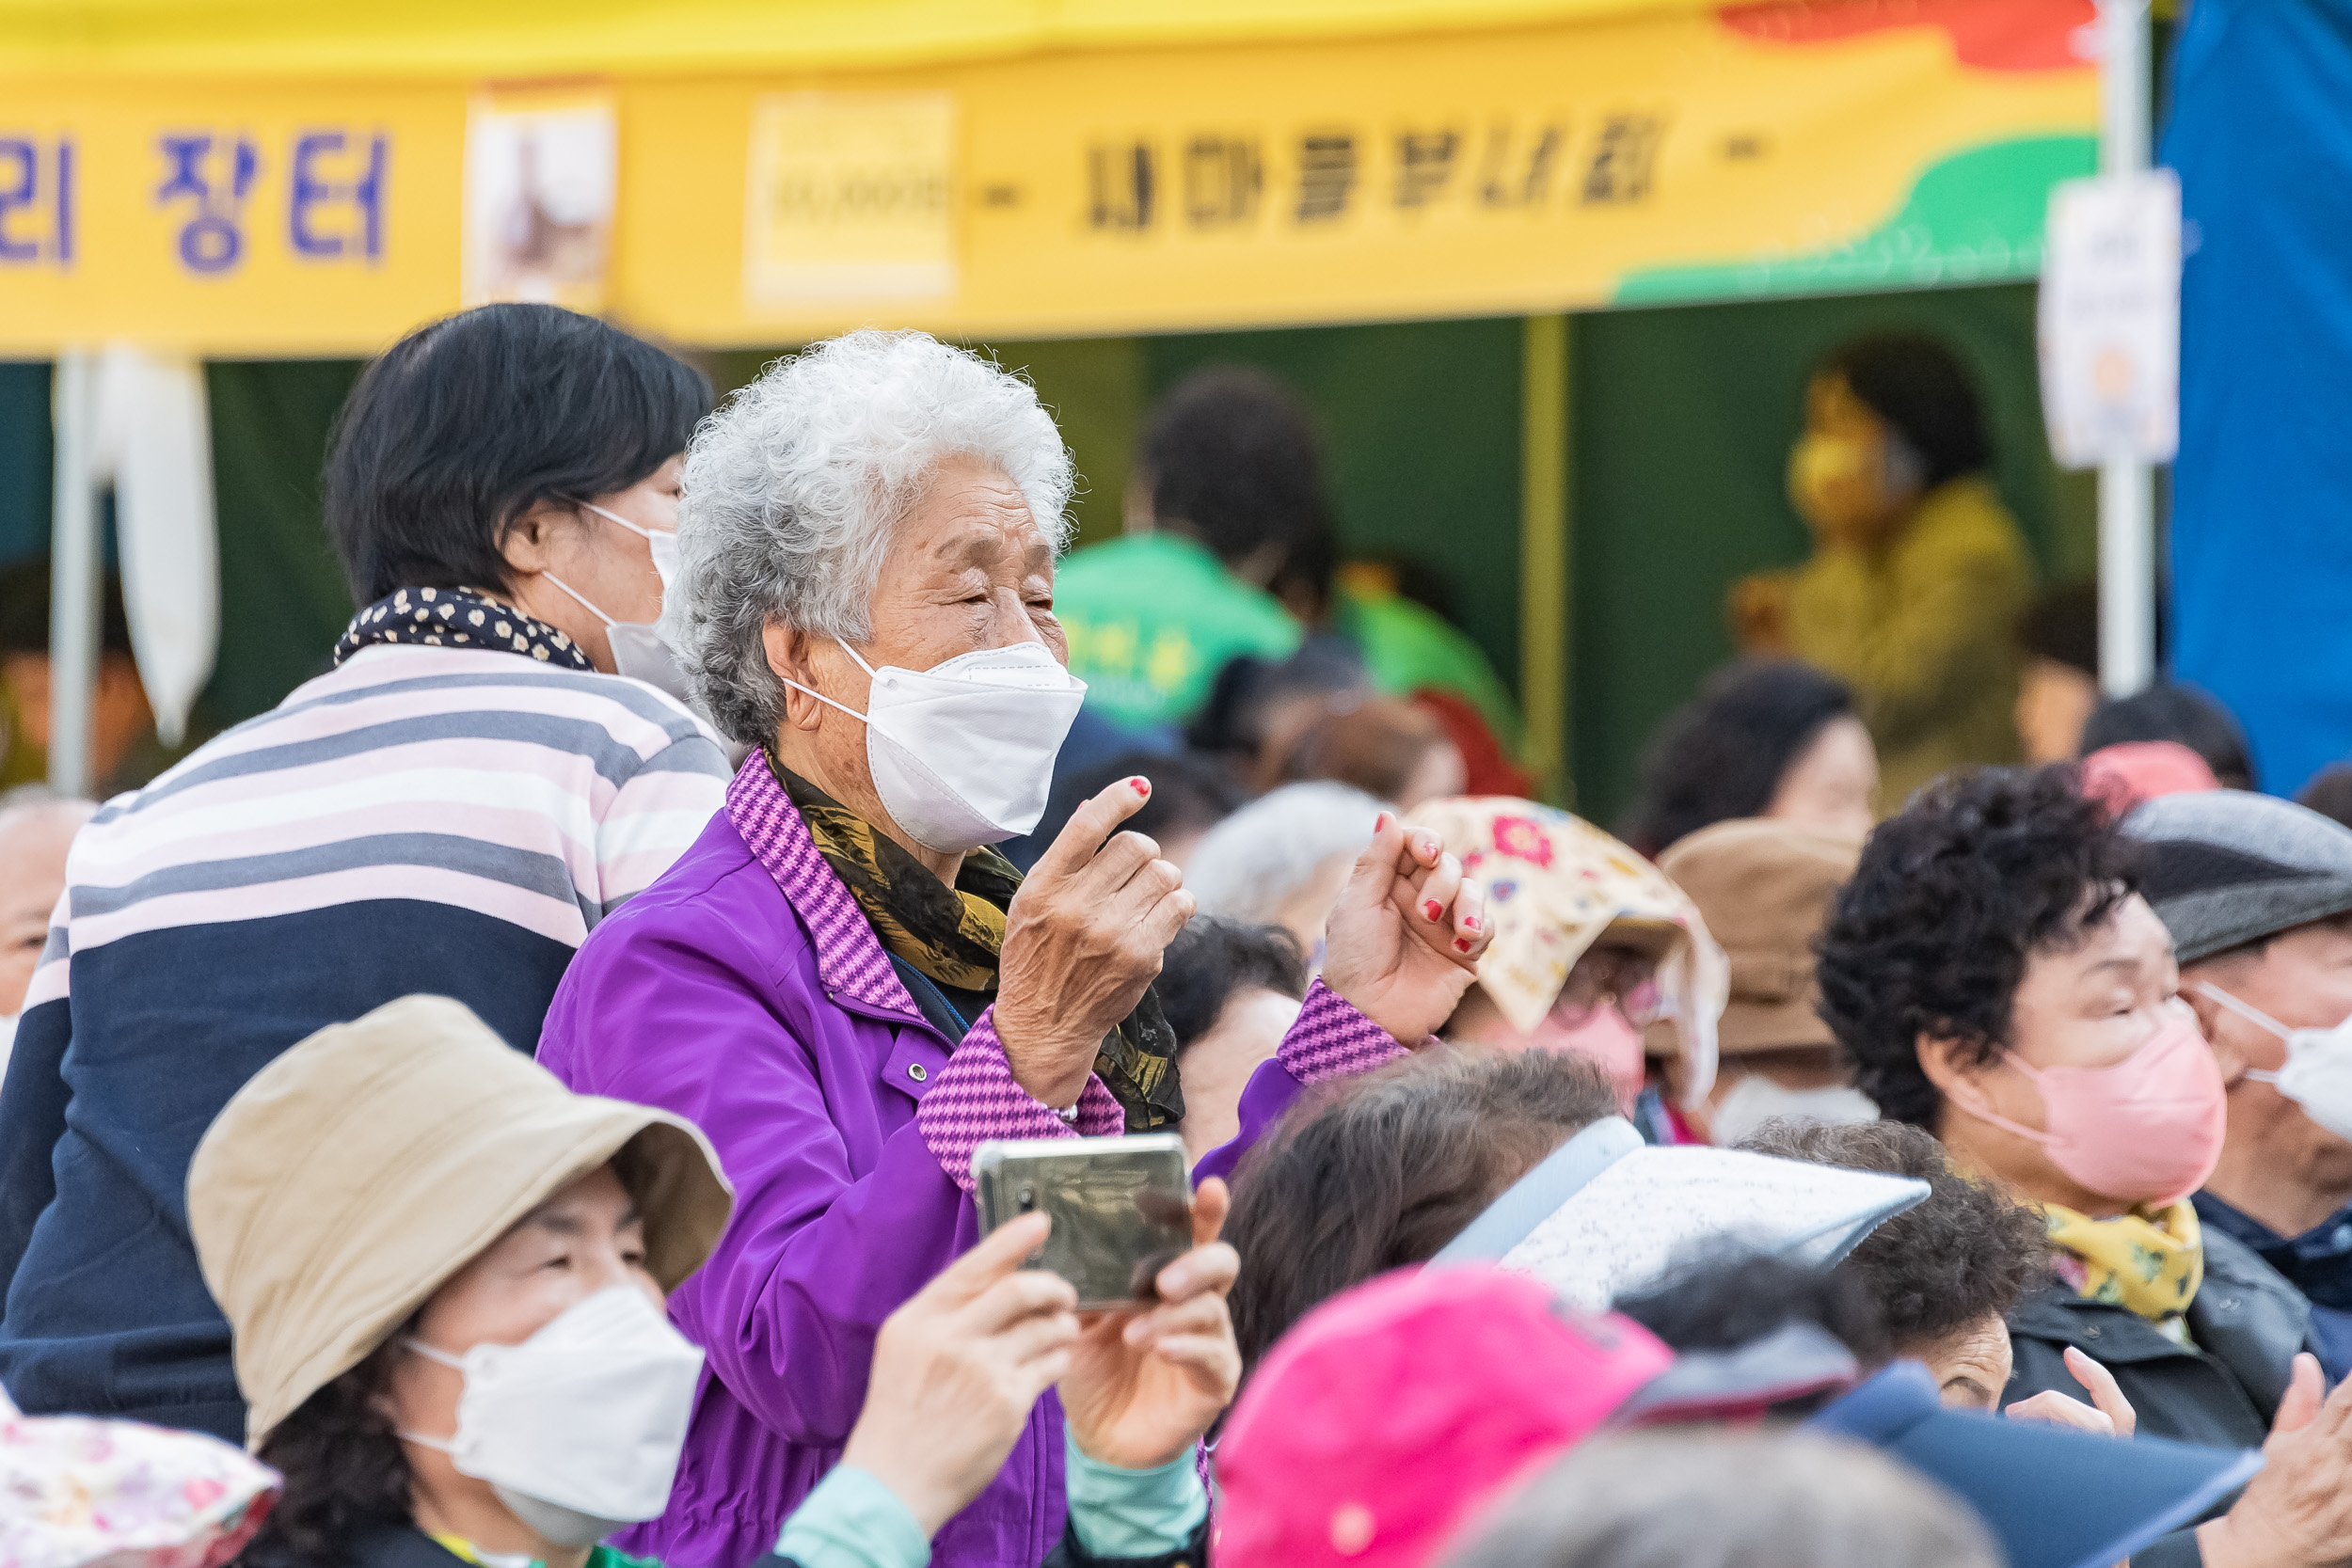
x=1121, y=1208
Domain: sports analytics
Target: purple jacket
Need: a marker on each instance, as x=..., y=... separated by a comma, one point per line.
x=744, y=990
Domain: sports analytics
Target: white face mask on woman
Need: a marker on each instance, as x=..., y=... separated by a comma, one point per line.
x=638, y=649
x=1756, y=1100
x=2318, y=1074
x=576, y=1428
x=963, y=753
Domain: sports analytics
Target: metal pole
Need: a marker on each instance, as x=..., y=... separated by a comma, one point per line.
x=1544, y=648
x=76, y=561
x=2127, y=565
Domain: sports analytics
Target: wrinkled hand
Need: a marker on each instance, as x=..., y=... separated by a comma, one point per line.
x=957, y=1370
x=2298, y=1512
x=2109, y=1414
x=1404, y=940
x=1083, y=939
x=1145, y=1383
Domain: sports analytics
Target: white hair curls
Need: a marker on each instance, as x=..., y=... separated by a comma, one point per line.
x=795, y=486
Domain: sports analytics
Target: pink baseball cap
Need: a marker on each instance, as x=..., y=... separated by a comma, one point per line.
x=1380, y=1425
x=2130, y=771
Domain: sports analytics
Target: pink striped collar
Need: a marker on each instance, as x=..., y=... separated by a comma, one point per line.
x=850, y=959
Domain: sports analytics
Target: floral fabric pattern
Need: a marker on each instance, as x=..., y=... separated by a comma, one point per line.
x=76, y=1490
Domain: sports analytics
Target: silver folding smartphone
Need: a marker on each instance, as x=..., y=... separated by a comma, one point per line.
x=1121, y=1208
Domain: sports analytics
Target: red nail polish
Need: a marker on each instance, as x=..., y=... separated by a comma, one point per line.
x=1461, y=944
x=1142, y=786
x=1381, y=823
x=1431, y=909
x=1470, y=923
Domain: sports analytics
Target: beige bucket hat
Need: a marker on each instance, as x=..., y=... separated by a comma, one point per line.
x=1765, y=888
x=361, y=1171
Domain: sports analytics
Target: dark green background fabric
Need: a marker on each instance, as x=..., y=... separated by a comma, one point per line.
x=1682, y=420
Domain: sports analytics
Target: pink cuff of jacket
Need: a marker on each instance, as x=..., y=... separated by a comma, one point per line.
x=1332, y=1040
x=976, y=1099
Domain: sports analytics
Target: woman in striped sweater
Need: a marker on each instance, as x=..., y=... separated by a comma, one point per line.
x=451, y=809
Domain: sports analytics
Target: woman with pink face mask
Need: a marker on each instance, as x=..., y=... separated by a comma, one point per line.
x=1590, y=944
x=2000, y=980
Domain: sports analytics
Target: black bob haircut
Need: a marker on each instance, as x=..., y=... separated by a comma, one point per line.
x=2171, y=711
x=1918, y=385
x=1210, y=959
x=1232, y=453
x=464, y=425
x=1721, y=755
x=1951, y=899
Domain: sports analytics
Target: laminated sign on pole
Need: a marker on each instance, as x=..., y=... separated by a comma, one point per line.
x=2110, y=330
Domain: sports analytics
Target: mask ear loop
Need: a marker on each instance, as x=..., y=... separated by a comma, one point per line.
x=818, y=695
x=432, y=1353
x=582, y=597
x=1985, y=1113
x=2253, y=1015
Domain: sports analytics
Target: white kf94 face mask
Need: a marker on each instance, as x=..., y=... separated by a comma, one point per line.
x=963, y=753
x=2318, y=1074
x=576, y=1428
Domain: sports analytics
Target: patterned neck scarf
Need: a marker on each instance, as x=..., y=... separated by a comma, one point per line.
x=458, y=618
x=2150, y=1260
x=955, y=936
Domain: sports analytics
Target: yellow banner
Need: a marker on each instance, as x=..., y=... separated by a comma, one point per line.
x=1568, y=165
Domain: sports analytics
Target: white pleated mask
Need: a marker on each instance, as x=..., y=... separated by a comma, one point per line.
x=963, y=753
x=578, y=1428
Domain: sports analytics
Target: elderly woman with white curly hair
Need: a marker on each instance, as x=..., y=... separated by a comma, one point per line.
x=847, y=990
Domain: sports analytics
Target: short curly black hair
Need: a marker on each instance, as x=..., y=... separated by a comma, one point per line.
x=1952, y=897
x=1968, y=1251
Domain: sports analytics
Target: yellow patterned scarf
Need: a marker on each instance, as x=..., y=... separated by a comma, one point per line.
x=956, y=936
x=2148, y=1260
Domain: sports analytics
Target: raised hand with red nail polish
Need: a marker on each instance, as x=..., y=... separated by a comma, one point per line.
x=1404, y=940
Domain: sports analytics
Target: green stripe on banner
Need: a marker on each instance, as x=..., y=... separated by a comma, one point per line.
x=1973, y=217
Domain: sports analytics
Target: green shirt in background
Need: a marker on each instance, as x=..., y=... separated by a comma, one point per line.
x=1152, y=618
x=1408, y=647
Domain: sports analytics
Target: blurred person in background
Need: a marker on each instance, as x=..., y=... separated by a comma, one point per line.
x=1190, y=794
x=1764, y=889
x=1763, y=737
x=1918, y=571
x=37, y=828
x=1282, y=859
x=1231, y=992
x=2058, y=685
x=1257, y=709
x=125, y=752
x=1943, y=1275
x=2000, y=980
x=1728, y=1499
x=451, y=809
x=1592, y=945
x=2329, y=793
x=841, y=982
x=2257, y=894
x=1227, y=478
x=1390, y=749
x=2171, y=711
x=1390, y=614
x=446, y=1274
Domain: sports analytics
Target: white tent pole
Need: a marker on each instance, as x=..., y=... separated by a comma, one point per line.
x=2127, y=565
x=76, y=564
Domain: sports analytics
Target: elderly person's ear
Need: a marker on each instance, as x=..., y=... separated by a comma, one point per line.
x=788, y=650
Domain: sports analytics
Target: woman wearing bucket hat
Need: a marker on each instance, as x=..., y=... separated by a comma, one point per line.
x=444, y=1272
x=842, y=983
x=1591, y=945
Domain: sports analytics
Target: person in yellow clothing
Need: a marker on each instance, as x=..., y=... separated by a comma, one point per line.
x=1918, y=571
